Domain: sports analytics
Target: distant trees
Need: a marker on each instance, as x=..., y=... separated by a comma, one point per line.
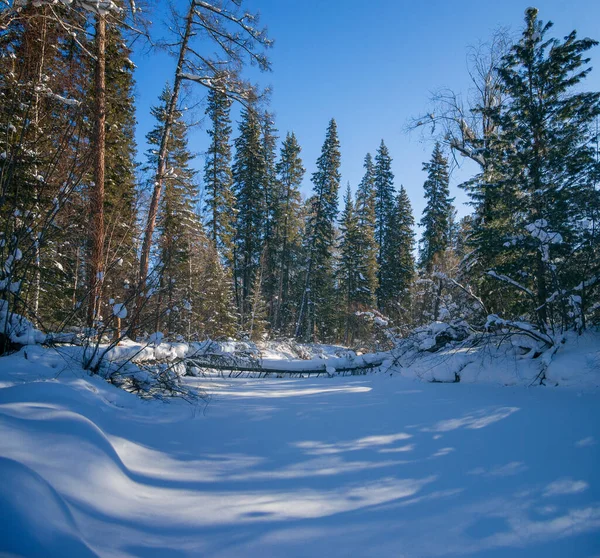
x=84, y=243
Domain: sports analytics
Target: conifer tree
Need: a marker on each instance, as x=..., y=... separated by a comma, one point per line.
x=438, y=214
x=348, y=263
x=366, y=245
x=438, y=221
x=384, y=207
x=544, y=223
x=272, y=198
x=384, y=192
x=401, y=262
x=179, y=225
x=249, y=181
x=220, y=200
x=120, y=207
x=316, y=313
x=288, y=235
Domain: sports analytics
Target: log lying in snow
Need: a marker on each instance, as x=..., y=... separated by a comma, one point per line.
x=290, y=367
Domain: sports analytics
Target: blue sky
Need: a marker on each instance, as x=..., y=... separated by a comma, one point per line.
x=371, y=66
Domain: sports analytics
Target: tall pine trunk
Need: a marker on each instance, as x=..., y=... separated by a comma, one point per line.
x=97, y=192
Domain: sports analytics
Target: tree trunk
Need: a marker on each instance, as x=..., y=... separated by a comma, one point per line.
x=37, y=253
x=97, y=192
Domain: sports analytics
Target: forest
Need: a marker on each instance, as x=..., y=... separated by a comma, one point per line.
x=99, y=241
x=221, y=353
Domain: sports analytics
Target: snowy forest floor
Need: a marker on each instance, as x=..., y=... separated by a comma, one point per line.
x=375, y=465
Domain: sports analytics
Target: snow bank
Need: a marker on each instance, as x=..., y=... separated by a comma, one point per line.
x=17, y=328
x=509, y=359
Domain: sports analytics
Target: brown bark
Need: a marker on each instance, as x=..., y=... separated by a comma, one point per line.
x=97, y=192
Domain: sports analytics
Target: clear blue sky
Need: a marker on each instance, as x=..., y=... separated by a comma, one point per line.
x=371, y=66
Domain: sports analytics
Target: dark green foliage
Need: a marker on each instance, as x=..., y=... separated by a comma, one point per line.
x=366, y=244
x=539, y=228
x=384, y=194
x=272, y=200
x=400, y=262
x=316, y=311
x=438, y=214
x=249, y=181
x=120, y=204
x=287, y=241
x=220, y=200
x=181, y=235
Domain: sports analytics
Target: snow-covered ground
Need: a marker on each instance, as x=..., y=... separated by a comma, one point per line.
x=374, y=465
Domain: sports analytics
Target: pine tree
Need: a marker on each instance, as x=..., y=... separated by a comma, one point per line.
x=271, y=188
x=546, y=176
x=438, y=223
x=120, y=206
x=249, y=181
x=438, y=213
x=181, y=232
x=220, y=200
x=348, y=263
x=401, y=262
x=44, y=158
x=384, y=207
x=288, y=235
x=366, y=245
x=315, y=314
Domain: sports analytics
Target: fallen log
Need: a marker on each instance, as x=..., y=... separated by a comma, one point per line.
x=353, y=365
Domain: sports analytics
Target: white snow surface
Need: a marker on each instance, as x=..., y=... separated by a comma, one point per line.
x=377, y=465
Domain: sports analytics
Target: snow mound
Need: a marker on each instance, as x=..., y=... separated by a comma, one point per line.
x=438, y=353
x=44, y=529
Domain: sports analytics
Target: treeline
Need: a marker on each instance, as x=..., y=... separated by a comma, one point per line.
x=91, y=238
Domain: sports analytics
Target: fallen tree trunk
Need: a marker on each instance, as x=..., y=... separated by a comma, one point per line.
x=330, y=367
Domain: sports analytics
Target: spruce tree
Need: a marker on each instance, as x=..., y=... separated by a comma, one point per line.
x=366, y=245
x=249, y=182
x=347, y=269
x=289, y=230
x=316, y=313
x=437, y=221
x=384, y=207
x=120, y=207
x=438, y=214
x=547, y=176
x=272, y=199
x=401, y=262
x=220, y=200
x=181, y=234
